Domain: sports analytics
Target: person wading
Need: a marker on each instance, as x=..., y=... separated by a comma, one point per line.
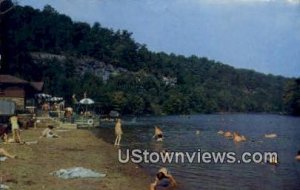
x=118, y=132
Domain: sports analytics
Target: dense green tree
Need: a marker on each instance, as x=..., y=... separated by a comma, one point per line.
x=292, y=97
x=151, y=82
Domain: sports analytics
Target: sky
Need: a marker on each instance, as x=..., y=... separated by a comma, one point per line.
x=263, y=35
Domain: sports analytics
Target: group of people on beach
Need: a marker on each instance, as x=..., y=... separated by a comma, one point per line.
x=163, y=177
x=16, y=135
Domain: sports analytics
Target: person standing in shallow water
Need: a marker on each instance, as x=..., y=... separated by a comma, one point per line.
x=158, y=134
x=118, y=132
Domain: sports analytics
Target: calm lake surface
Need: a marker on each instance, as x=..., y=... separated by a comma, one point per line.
x=180, y=135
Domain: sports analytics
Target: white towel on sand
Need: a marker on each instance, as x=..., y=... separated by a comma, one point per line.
x=77, y=172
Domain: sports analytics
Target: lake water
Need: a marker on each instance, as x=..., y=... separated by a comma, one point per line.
x=180, y=135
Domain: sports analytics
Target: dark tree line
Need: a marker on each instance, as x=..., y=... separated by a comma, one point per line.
x=200, y=85
x=292, y=97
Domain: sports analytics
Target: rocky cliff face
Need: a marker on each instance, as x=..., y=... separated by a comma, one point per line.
x=82, y=65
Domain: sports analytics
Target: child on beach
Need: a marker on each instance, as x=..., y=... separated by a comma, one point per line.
x=163, y=180
x=15, y=129
x=49, y=133
x=118, y=132
x=5, y=153
x=158, y=134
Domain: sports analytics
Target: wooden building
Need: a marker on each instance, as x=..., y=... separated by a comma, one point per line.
x=18, y=90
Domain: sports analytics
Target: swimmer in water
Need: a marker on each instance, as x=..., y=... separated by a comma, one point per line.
x=298, y=156
x=228, y=134
x=158, y=134
x=238, y=138
x=273, y=160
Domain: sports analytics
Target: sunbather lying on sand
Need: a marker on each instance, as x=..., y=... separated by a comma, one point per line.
x=5, y=153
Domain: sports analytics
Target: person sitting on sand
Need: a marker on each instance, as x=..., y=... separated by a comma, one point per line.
x=158, y=134
x=118, y=132
x=298, y=156
x=31, y=123
x=3, y=152
x=15, y=129
x=49, y=133
x=163, y=180
x=7, y=139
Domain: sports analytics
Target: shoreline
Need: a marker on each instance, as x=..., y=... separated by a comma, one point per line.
x=75, y=148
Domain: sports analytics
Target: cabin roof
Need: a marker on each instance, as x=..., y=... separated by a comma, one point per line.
x=9, y=79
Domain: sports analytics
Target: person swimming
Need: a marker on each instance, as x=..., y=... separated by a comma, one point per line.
x=163, y=180
x=298, y=156
x=273, y=160
x=158, y=134
x=238, y=138
x=228, y=134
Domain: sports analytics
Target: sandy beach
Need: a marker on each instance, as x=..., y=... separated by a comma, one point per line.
x=75, y=148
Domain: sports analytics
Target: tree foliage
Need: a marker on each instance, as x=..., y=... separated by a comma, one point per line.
x=292, y=97
x=155, y=82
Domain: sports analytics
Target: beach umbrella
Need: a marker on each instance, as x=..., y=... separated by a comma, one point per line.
x=43, y=96
x=56, y=99
x=86, y=101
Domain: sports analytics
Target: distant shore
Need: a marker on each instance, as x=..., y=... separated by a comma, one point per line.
x=75, y=148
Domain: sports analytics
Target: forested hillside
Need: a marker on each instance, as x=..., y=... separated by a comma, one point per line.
x=45, y=45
